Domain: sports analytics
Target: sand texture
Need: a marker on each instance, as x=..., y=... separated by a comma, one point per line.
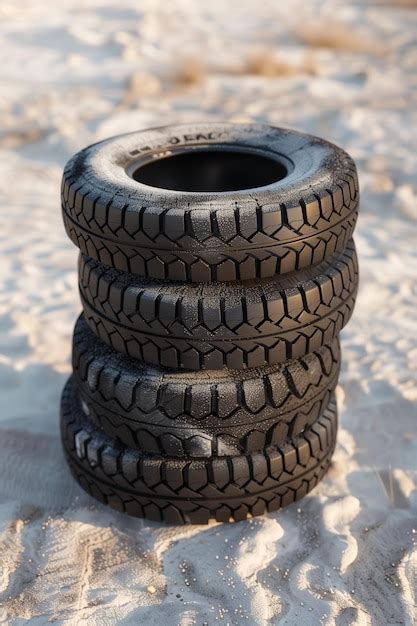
x=76, y=71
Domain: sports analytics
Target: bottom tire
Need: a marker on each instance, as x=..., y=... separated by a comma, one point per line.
x=193, y=490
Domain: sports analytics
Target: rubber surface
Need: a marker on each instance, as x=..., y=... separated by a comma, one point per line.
x=204, y=237
x=200, y=414
x=184, y=490
x=220, y=325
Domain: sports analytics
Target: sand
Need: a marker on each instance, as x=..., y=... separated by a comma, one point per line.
x=76, y=71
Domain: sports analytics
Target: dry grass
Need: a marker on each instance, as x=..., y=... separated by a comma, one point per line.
x=189, y=72
x=401, y=4
x=336, y=36
x=261, y=61
x=141, y=84
x=265, y=63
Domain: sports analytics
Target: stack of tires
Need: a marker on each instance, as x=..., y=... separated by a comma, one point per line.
x=217, y=269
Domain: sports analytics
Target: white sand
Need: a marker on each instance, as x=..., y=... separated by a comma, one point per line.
x=76, y=71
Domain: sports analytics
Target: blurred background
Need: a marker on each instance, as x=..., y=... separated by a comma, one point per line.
x=73, y=72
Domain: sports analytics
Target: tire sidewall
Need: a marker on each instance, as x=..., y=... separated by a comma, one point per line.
x=314, y=165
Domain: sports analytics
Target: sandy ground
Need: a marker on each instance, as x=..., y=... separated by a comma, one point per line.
x=75, y=71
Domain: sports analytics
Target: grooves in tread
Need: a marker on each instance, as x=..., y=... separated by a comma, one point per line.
x=210, y=265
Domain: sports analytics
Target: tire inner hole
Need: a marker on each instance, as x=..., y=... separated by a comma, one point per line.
x=211, y=171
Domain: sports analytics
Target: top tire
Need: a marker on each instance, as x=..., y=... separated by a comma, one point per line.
x=210, y=202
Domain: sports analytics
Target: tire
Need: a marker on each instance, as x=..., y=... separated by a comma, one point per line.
x=200, y=414
x=258, y=232
x=193, y=490
x=216, y=325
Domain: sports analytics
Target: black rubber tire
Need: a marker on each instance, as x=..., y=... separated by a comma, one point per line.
x=201, y=414
x=219, y=325
x=211, y=237
x=193, y=490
